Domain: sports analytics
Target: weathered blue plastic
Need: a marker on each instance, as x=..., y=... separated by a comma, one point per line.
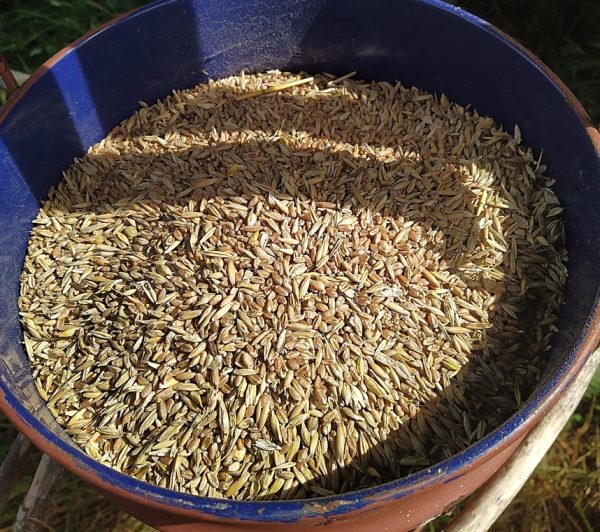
x=76, y=99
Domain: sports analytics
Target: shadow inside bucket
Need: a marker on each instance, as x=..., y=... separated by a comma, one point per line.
x=452, y=413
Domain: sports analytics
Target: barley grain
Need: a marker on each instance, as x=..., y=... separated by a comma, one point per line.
x=273, y=286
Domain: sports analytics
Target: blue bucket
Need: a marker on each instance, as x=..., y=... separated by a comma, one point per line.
x=77, y=97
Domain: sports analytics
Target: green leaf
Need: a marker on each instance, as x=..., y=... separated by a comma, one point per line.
x=577, y=417
x=594, y=386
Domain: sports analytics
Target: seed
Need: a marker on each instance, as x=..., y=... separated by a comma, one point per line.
x=190, y=314
x=249, y=296
x=297, y=420
x=237, y=485
x=275, y=486
x=231, y=272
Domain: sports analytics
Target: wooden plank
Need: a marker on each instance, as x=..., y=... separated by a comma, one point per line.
x=481, y=513
x=33, y=509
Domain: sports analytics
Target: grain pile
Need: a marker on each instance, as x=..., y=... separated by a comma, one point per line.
x=261, y=296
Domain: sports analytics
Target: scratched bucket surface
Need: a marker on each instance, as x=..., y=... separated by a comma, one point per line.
x=84, y=91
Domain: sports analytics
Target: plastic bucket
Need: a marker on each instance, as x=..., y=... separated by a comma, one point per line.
x=81, y=93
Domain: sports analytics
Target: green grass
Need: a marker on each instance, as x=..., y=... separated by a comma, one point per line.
x=74, y=506
x=564, y=492
x=565, y=34
x=33, y=30
x=7, y=434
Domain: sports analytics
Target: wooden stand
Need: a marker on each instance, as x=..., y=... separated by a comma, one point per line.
x=11, y=467
x=32, y=511
x=481, y=513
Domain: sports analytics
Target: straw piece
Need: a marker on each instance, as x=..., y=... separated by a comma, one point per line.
x=273, y=88
x=341, y=78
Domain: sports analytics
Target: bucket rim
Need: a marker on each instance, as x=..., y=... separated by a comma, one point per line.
x=170, y=501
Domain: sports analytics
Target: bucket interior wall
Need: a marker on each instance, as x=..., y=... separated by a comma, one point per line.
x=77, y=100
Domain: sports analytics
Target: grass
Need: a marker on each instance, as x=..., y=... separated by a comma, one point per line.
x=75, y=506
x=33, y=30
x=564, y=492
x=565, y=34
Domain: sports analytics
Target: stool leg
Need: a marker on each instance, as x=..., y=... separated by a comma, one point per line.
x=32, y=511
x=12, y=467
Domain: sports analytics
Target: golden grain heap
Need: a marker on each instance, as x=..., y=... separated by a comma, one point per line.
x=257, y=293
